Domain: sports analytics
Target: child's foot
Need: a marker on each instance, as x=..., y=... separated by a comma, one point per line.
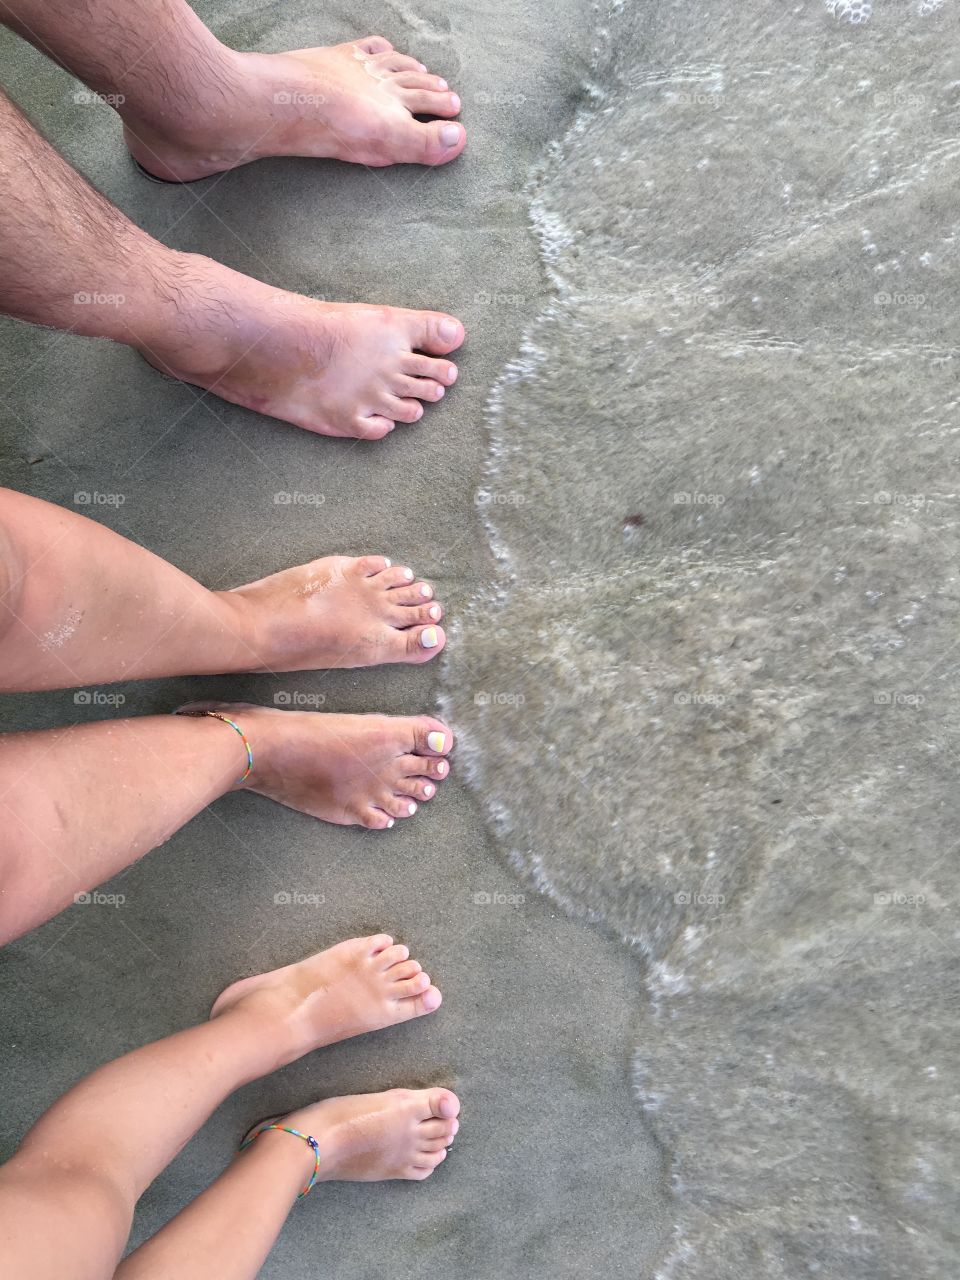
x=367, y=770
x=337, y=369
x=403, y=1133
x=356, y=101
x=338, y=612
x=357, y=986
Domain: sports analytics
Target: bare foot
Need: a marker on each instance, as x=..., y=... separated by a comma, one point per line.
x=339, y=369
x=363, y=770
x=370, y=1137
x=357, y=986
x=338, y=612
x=356, y=101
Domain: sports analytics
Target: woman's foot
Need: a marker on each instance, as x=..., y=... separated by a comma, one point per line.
x=337, y=369
x=361, y=985
x=338, y=612
x=365, y=770
x=403, y=1133
x=357, y=101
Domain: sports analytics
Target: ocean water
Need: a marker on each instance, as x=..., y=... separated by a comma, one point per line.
x=709, y=699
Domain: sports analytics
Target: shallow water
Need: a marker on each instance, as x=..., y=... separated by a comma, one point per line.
x=710, y=700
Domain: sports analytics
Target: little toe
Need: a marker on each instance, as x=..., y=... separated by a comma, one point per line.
x=375, y=819
x=420, y=366
x=372, y=426
x=435, y=332
x=398, y=806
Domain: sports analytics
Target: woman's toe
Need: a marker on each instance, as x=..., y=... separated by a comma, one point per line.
x=375, y=819
x=412, y=593
x=367, y=566
x=428, y=767
x=423, y=643
x=420, y=788
x=396, y=575
x=416, y=615
x=432, y=737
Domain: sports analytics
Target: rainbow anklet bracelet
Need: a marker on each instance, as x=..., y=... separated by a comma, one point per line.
x=218, y=715
x=305, y=1137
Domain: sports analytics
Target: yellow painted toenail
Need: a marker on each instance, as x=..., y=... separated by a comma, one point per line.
x=436, y=741
x=429, y=638
x=425, y=590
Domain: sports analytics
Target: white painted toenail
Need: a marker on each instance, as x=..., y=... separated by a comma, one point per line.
x=428, y=790
x=390, y=823
x=449, y=135
x=388, y=562
x=412, y=809
x=436, y=742
x=441, y=767
x=429, y=638
x=434, y=612
x=425, y=590
x=408, y=574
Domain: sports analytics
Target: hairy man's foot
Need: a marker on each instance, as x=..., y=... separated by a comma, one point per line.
x=365, y=770
x=361, y=985
x=338, y=612
x=356, y=101
x=370, y=1137
x=339, y=369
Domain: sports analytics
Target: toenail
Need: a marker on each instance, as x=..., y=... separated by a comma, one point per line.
x=408, y=574
x=429, y=638
x=449, y=135
x=452, y=373
x=425, y=590
x=428, y=790
x=436, y=741
x=390, y=822
x=439, y=393
x=411, y=809
x=442, y=84
x=434, y=612
x=449, y=330
x=441, y=767
x=388, y=562
x=455, y=102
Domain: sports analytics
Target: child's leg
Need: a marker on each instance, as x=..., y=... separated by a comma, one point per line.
x=399, y=1134
x=71, y=1188
x=79, y=804
x=79, y=604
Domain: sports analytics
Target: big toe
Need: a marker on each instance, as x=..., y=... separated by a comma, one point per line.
x=436, y=332
x=443, y=1103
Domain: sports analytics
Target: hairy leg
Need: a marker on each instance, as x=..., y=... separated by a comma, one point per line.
x=72, y=260
x=191, y=106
